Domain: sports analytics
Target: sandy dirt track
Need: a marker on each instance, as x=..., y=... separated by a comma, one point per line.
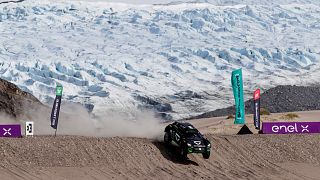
x=233, y=156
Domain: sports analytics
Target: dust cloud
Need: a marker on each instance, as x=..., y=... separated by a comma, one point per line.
x=75, y=120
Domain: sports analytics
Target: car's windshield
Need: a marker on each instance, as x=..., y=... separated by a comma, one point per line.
x=192, y=134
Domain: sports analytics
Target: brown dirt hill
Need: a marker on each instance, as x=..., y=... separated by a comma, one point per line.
x=233, y=157
x=13, y=100
x=276, y=100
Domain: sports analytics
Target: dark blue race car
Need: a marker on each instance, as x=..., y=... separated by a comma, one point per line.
x=187, y=139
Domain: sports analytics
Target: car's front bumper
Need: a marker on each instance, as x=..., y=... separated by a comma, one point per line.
x=198, y=149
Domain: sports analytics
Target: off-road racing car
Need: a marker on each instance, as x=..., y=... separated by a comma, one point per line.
x=187, y=139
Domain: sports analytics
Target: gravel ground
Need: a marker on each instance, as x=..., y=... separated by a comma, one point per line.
x=233, y=157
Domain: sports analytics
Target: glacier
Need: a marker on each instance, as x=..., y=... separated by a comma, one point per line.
x=175, y=59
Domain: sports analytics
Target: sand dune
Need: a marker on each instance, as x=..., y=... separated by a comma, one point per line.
x=233, y=156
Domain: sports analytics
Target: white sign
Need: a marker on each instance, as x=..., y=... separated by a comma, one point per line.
x=29, y=128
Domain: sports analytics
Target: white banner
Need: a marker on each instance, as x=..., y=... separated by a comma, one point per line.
x=29, y=128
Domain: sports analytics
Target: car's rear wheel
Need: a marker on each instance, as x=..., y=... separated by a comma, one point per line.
x=167, y=138
x=206, y=155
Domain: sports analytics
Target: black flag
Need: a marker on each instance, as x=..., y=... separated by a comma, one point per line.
x=56, y=108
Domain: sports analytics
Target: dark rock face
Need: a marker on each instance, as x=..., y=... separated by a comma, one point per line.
x=12, y=1
x=185, y=95
x=276, y=100
x=162, y=109
x=89, y=107
x=13, y=100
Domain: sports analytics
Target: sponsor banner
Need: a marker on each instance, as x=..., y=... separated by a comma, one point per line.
x=256, y=116
x=29, y=128
x=237, y=86
x=256, y=94
x=10, y=130
x=290, y=127
x=56, y=108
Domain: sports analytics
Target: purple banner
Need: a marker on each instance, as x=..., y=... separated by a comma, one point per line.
x=13, y=130
x=290, y=127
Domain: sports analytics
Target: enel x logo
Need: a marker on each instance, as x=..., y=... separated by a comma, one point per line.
x=305, y=128
x=7, y=131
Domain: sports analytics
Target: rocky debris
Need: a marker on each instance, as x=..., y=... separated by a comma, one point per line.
x=187, y=95
x=163, y=106
x=13, y=100
x=279, y=99
x=162, y=109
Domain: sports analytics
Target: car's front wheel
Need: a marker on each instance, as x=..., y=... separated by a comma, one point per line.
x=167, y=138
x=206, y=155
x=183, y=153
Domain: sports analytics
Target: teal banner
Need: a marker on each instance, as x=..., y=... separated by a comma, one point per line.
x=237, y=86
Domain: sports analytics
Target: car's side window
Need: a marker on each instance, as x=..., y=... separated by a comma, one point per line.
x=172, y=132
x=177, y=136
